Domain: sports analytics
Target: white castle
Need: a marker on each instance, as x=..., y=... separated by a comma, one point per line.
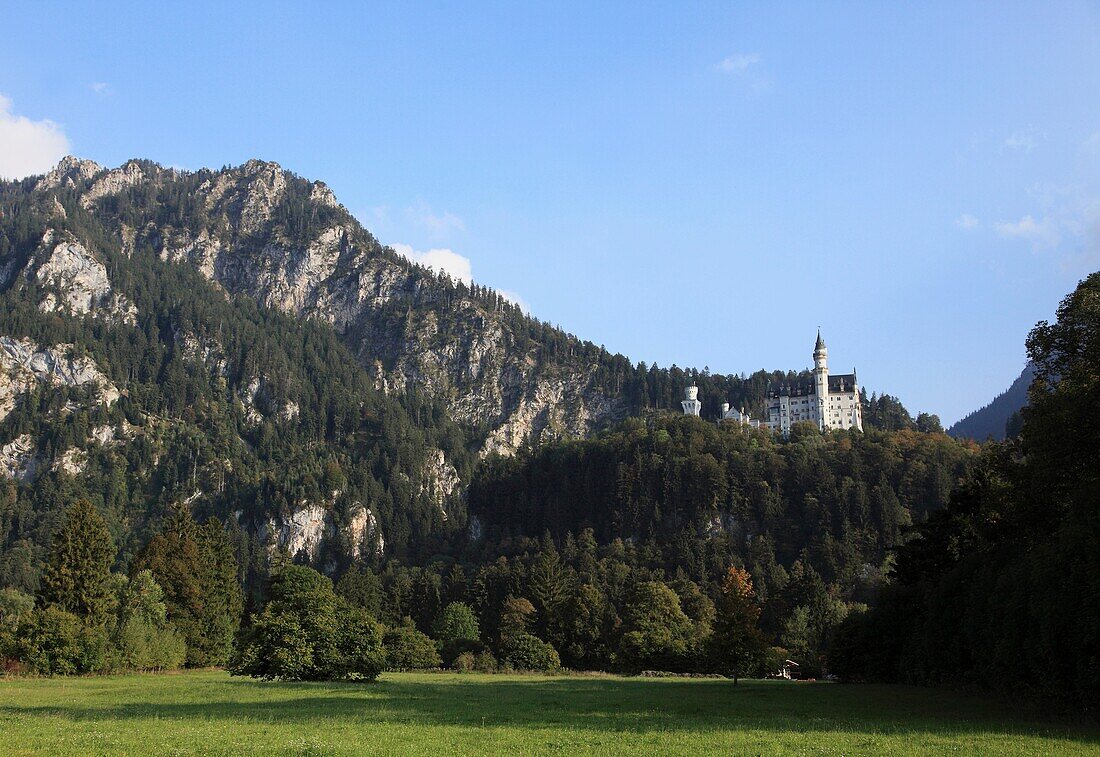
x=827, y=401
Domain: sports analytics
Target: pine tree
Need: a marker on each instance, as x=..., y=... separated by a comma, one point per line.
x=77, y=578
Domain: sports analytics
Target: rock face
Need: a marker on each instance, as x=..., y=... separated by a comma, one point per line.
x=18, y=459
x=440, y=481
x=75, y=281
x=403, y=323
x=24, y=363
x=305, y=530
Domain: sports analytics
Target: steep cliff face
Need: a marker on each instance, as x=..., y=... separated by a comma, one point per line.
x=259, y=231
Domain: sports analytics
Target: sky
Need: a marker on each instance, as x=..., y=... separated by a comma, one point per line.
x=694, y=184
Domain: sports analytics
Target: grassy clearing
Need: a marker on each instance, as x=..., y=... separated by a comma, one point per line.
x=212, y=713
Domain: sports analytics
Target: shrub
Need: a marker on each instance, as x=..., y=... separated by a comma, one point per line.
x=143, y=637
x=408, y=649
x=305, y=633
x=464, y=663
x=54, y=642
x=526, y=652
x=485, y=662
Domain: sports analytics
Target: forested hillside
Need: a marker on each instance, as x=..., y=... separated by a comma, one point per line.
x=1001, y=417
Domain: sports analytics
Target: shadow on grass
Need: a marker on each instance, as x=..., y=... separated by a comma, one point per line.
x=614, y=705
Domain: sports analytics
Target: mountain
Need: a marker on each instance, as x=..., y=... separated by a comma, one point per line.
x=992, y=421
x=235, y=339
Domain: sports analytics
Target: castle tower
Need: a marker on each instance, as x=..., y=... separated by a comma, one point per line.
x=691, y=402
x=821, y=379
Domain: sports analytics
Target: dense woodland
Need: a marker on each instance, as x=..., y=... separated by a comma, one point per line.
x=1001, y=589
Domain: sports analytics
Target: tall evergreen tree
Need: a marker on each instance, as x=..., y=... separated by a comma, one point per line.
x=78, y=576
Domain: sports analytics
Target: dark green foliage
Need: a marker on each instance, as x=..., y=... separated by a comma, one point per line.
x=656, y=633
x=51, y=641
x=305, y=632
x=526, y=652
x=143, y=639
x=77, y=578
x=844, y=496
x=409, y=649
x=1002, y=589
x=360, y=587
x=197, y=568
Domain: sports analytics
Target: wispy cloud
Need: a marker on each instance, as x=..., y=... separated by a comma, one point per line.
x=100, y=87
x=28, y=147
x=1022, y=140
x=439, y=224
x=1042, y=233
x=1092, y=143
x=747, y=68
x=967, y=222
x=738, y=64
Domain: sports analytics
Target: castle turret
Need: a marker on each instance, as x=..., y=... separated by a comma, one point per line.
x=821, y=379
x=691, y=402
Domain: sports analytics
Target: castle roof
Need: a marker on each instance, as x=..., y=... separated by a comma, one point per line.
x=840, y=383
x=820, y=344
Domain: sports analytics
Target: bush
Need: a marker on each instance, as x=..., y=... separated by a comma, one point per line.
x=141, y=645
x=464, y=663
x=54, y=642
x=526, y=652
x=305, y=632
x=408, y=649
x=485, y=662
x=143, y=637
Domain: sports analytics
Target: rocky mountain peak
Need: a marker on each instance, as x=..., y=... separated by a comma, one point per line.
x=69, y=171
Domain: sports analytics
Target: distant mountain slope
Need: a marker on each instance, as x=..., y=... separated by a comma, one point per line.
x=991, y=420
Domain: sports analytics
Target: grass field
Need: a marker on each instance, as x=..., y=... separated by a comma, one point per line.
x=212, y=713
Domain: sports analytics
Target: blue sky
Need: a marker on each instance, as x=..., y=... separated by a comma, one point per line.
x=698, y=184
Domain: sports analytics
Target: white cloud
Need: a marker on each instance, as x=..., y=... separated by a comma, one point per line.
x=1042, y=233
x=100, y=87
x=28, y=147
x=515, y=299
x=441, y=260
x=438, y=224
x=967, y=221
x=1022, y=140
x=458, y=267
x=738, y=64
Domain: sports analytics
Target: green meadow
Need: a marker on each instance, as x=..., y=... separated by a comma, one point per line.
x=211, y=713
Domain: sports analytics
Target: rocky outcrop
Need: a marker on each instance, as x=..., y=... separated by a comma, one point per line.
x=111, y=183
x=24, y=363
x=70, y=172
x=303, y=531
x=363, y=530
x=18, y=459
x=75, y=281
x=440, y=480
